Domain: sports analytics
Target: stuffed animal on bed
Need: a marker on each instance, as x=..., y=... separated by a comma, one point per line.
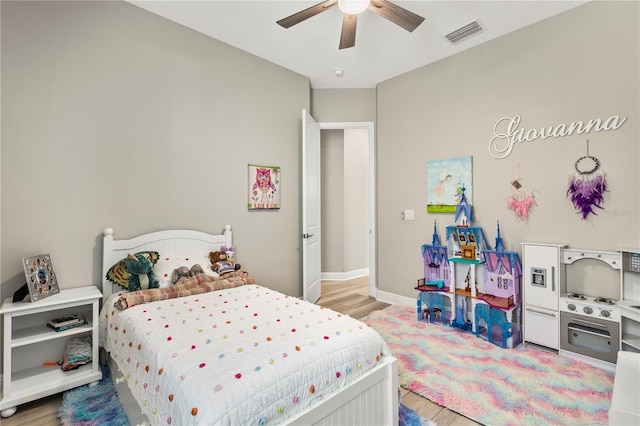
x=140, y=269
x=220, y=263
x=118, y=274
x=229, y=252
x=184, y=272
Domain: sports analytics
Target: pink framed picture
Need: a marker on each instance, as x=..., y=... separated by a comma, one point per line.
x=264, y=187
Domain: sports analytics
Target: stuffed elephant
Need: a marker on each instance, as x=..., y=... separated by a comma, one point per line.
x=184, y=272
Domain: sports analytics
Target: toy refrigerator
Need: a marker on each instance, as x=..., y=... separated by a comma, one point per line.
x=542, y=273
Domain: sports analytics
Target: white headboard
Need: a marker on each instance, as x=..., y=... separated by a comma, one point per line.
x=177, y=242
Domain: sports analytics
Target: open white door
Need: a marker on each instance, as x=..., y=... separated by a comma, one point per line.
x=311, y=220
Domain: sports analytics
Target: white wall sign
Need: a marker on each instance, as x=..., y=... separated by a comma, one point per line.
x=507, y=132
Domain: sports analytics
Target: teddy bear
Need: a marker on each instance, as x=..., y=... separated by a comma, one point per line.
x=220, y=263
x=184, y=272
x=140, y=268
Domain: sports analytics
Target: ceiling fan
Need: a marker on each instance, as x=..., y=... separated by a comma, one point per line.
x=351, y=8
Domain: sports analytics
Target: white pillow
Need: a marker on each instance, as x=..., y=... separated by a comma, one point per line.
x=167, y=264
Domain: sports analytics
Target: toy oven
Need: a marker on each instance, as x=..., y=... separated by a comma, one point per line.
x=589, y=336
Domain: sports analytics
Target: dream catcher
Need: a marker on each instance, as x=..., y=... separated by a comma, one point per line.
x=587, y=186
x=520, y=202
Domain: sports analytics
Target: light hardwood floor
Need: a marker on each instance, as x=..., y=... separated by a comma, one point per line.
x=347, y=297
x=42, y=412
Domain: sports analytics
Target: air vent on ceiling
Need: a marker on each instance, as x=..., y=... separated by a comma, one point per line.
x=464, y=32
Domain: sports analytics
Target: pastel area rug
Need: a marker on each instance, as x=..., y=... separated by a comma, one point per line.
x=491, y=385
x=99, y=406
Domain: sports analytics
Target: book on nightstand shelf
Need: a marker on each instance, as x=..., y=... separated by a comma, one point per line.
x=66, y=322
x=68, y=326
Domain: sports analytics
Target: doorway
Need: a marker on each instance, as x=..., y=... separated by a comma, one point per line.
x=351, y=146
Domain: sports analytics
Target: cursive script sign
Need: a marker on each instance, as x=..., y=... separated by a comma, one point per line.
x=507, y=132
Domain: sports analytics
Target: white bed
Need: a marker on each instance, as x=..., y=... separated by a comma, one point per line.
x=355, y=384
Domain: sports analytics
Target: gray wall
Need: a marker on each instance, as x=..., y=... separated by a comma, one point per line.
x=345, y=201
x=114, y=117
x=332, y=199
x=580, y=65
x=343, y=105
x=356, y=171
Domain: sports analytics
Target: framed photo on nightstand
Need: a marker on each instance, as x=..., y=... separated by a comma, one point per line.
x=41, y=279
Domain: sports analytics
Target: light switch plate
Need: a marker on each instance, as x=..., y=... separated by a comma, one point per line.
x=407, y=215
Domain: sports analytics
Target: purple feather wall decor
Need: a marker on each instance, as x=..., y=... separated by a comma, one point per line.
x=587, y=187
x=587, y=192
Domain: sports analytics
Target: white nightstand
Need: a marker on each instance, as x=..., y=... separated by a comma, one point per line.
x=28, y=343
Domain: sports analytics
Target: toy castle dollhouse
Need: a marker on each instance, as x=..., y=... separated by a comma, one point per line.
x=436, y=262
x=502, y=276
x=468, y=286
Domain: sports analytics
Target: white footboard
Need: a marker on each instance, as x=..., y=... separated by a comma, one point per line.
x=371, y=400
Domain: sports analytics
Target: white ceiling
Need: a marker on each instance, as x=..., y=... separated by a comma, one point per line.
x=383, y=49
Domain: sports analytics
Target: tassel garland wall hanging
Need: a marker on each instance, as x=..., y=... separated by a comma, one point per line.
x=587, y=186
x=520, y=202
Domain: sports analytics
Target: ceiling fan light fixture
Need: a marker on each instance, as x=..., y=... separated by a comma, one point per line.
x=350, y=10
x=353, y=7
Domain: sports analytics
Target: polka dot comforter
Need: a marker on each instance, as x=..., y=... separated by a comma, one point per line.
x=241, y=356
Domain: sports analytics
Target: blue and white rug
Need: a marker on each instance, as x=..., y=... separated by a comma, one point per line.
x=408, y=417
x=93, y=405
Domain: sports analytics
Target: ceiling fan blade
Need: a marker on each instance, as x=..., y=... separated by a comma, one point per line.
x=348, y=35
x=396, y=14
x=296, y=18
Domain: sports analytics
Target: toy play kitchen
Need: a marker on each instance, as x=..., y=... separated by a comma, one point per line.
x=583, y=303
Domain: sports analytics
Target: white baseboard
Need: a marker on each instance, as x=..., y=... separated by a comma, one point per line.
x=343, y=276
x=593, y=361
x=395, y=299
